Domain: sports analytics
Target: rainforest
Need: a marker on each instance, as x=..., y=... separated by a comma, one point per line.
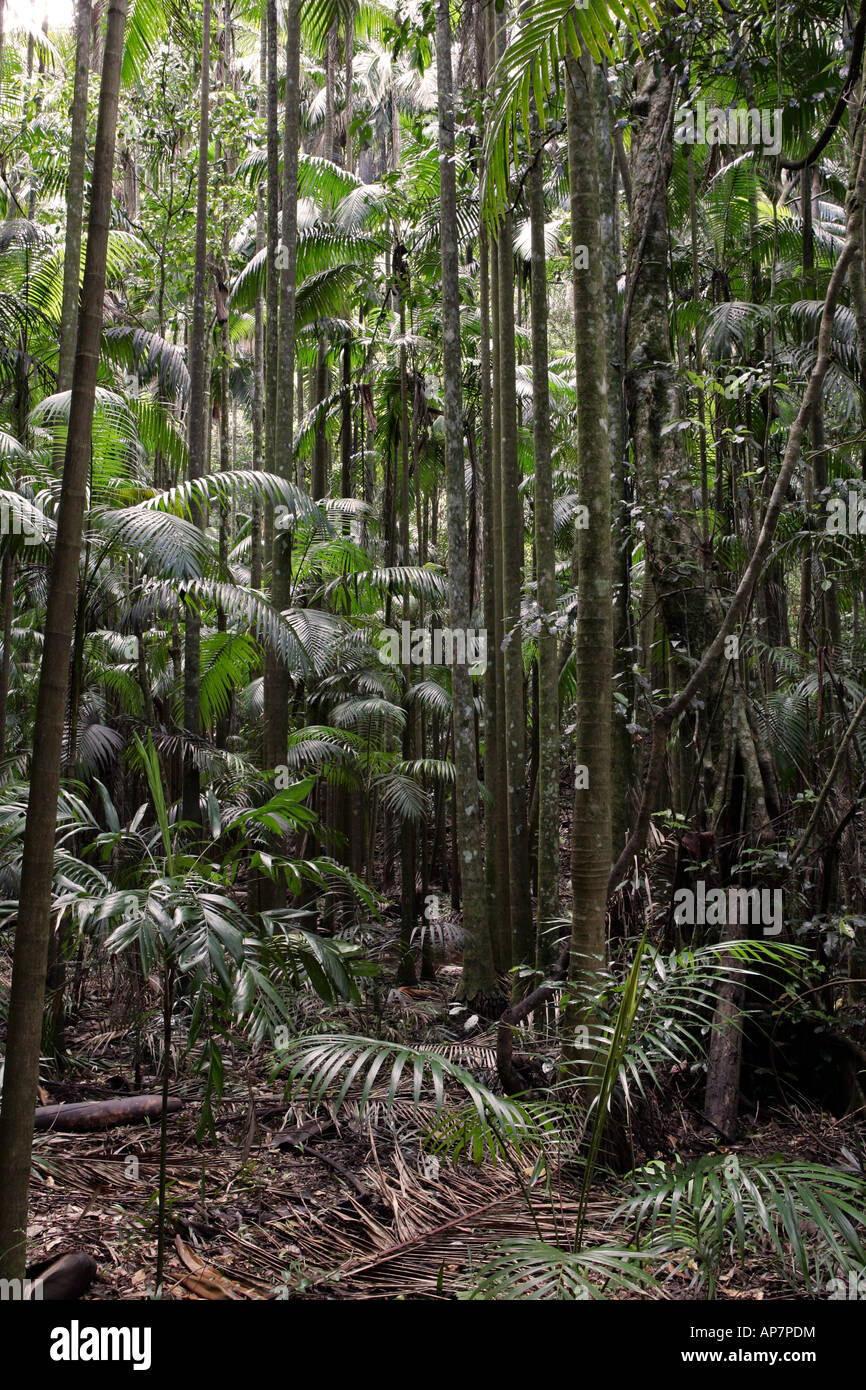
x=432, y=656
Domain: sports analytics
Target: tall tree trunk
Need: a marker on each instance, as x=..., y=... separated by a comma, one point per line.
x=7, y=613
x=258, y=413
x=223, y=723
x=75, y=197
x=319, y=469
x=479, y=976
x=591, y=843
x=197, y=429
x=856, y=274
x=330, y=105
x=408, y=847
x=621, y=740
x=7, y=585
x=281, y=565
x=271, y=676
x=498, y=879
x=497, y=917
x=24, y=1029
x=545, y=570
x=348, y=109
x=520, y=906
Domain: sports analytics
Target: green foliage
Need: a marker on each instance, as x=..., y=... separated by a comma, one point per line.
x=530, y=69
x=535, y=1270
x=812, y=1218
x=326, y=1069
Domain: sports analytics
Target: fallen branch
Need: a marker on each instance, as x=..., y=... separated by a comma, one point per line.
x=102, y=1114
x=363, y=1191
x=300, y=1135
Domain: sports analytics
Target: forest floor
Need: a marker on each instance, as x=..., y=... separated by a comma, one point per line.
x=354, y=1211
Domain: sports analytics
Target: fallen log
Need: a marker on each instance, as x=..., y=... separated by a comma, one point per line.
x=102, y=1114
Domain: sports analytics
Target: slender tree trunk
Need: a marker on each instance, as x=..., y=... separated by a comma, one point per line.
x=591, y=843
x=492, y=778
x=522, y=933
x=498, y=878
x=271, y=677
x=330, y=108
x=348, y=111
x=281, y=566
x=7, y=588
x=479, y=975
x=258, y=420
x=545, y=570
x=256, y=880
x=24, y=1028
x=319, y=470
x=856, y=275
x=197, y=429
x=347, y=482
x=621, y=744
x=75, y=197
x=408, y=846
x=7, y=595
x=66, y=360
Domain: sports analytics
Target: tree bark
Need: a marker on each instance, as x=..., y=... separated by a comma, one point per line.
x=498, y=875
x=75, y=197
x=479, y=976
x=258, y=411
x=591, y=842
x=520, y=906
x=495, y=848
x=197, y=429
x=545, y=568
x=622, y=748
x=24, y=1030
x=271, y=677
x=281, y=564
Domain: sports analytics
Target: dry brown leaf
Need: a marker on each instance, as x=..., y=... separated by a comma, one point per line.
x=206, y=1281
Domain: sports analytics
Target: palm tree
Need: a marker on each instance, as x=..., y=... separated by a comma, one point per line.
x=479, y=977
x=545, y=567
x=591, y=839
x=197, y=426
x=24, y=1031
x=75, y=197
